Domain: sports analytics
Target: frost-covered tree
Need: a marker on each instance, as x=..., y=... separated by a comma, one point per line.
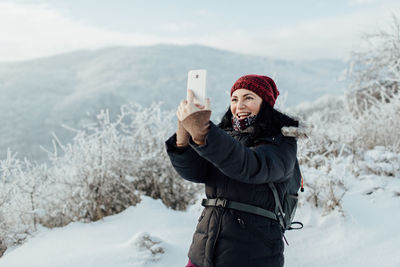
x=110, y=164
x=375, y=67
x=105, y=169
x=374, y=99
x=18, y=206
x=363, y=121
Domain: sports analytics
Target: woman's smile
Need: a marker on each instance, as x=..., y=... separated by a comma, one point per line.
x=242, y=115
x=245, y=103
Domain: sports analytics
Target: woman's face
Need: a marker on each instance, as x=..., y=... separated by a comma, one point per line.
x=245, y=103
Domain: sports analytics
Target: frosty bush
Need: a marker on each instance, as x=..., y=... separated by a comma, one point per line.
x=379, y=161
x=358, y=131
x=368, y=115
x=152, y=172
x=374, y=99
x=102, y=172
x=110, y=164
x=18, y=207
x=375, y=67
x=149, y=246
x=359, y=144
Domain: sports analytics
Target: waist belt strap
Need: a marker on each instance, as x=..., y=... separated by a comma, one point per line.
x=220, y=202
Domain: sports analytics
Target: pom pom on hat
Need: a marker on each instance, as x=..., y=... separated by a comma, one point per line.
x=263, y=86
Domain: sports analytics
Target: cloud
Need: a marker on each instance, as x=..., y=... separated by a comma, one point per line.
x=177, y=27
x=328, y=37
x=28, y=31
x=361, y=2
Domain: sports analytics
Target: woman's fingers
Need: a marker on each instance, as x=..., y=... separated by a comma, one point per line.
x=182, y=110
x=199, y=106
x=187, y=107
x=190, y=96
x=207, y=104
x=178, y=114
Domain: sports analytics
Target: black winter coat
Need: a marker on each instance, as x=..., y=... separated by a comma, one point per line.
x=235, y=169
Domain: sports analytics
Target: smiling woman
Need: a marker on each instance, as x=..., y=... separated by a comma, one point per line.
x=236, y=160
x=245, y=103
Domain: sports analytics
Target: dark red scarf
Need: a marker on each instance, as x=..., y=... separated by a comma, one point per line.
x=241, y=124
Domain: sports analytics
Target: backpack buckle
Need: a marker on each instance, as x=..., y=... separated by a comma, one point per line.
x=221, y=202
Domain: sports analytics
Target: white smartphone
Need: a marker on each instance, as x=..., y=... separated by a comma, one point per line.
x=197, y=81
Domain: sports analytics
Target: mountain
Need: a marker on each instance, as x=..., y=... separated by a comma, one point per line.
x=37, y=96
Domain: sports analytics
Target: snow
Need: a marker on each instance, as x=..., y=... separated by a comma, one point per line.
x=113, y=241
x=149, y=234
x=351, y=161
x=366, y=235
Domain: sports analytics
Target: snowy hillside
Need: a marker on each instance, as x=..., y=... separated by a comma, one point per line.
x=110, y=196
x=152, y=235
x=348, y=207
x=38, y=96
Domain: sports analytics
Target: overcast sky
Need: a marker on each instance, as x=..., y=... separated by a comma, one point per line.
x=306, y=29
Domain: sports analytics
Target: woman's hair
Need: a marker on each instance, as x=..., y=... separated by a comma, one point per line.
x=268, y=123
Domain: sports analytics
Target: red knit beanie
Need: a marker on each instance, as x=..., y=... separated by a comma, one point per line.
x=263, y=86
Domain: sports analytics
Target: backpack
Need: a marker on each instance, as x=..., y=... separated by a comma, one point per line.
x=286, y=210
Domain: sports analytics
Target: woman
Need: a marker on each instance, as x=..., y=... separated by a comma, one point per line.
x=236, y=161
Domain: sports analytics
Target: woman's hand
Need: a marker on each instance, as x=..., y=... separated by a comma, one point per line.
x=187, y=107
x=182, y=136
x=195, y=118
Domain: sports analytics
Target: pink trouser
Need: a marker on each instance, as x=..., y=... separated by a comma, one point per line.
x=190, y=264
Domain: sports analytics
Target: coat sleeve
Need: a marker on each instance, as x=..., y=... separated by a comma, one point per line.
x=188, y=164
x=262, y=164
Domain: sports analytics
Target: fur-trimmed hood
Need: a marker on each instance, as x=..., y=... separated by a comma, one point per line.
x=302, y=131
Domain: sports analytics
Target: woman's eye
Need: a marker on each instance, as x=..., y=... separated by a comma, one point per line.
x=233, y=100
x=249, y=98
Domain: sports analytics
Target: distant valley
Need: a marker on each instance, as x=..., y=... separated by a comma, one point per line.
x=37, y=96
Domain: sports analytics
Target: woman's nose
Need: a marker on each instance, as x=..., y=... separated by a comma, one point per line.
x=241, y=103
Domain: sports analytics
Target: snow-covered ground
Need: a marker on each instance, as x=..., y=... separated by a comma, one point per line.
x=365, y=234
x=114, y=241
x=351, y=162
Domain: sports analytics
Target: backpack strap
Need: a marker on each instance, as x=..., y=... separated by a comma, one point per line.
x=280, y=214
x=278, y=207
x=221, y=202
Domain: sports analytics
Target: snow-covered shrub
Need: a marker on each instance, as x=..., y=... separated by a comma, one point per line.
x=325, y=186
x=89, y=178
x=378, y=125
x=106, y=169
x=149, y=246
x=18, y=205
x=366, y=143
x=110, y=164
x=379, y=161
x=3, y=247
x=368, y=115
x=152, y=172
x=358, y=131
x=373, y=97
x=322, y=153
x=375, y=66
